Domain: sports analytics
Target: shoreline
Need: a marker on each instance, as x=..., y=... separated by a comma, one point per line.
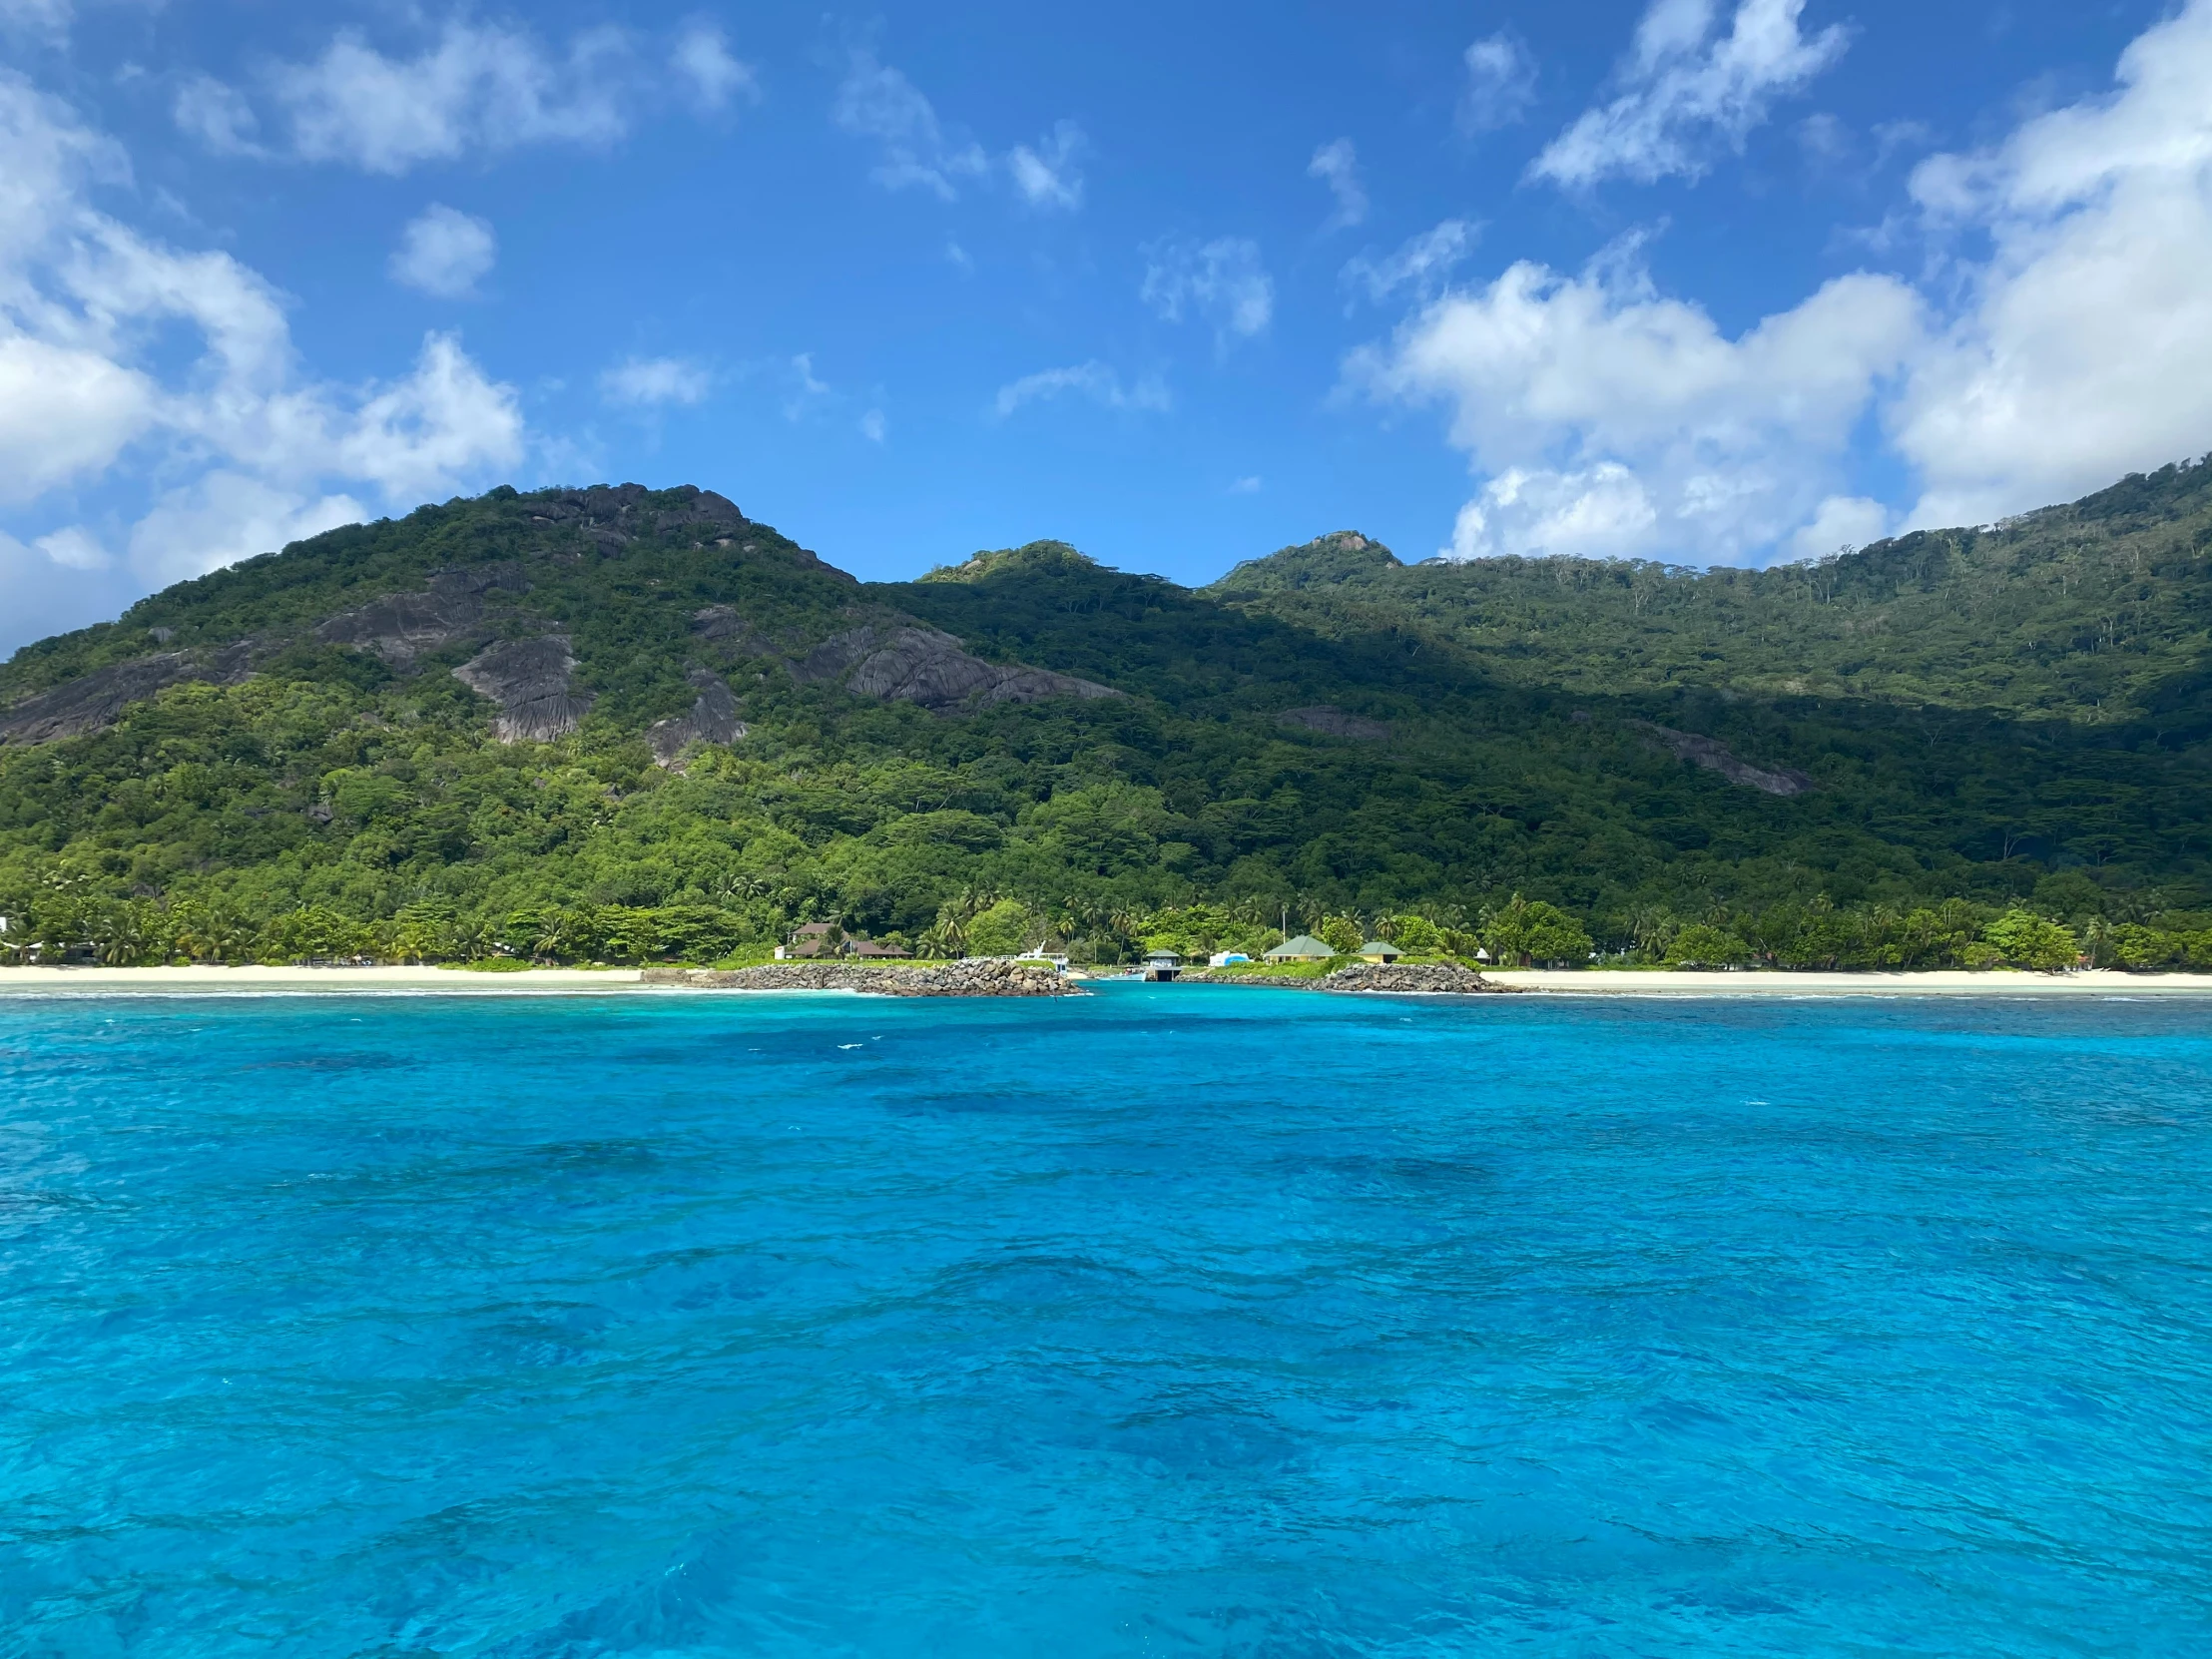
x=1550, y=981
x=215, y=981
x=1913, y=982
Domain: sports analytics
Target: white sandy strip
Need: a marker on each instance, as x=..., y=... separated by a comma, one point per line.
x=533, y=982
x=1940, y=983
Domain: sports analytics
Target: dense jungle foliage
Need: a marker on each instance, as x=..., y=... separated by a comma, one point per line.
x=1458, y=755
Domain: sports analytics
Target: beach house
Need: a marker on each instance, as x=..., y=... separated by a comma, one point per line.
x=1379, y=950
x=1304, y=949
x=1162, y=965
x=813, y=939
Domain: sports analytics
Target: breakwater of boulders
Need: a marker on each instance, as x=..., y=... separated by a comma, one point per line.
x=984, y=977
x=1431, y=978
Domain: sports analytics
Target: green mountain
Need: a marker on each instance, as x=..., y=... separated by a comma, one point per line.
x=2096, y=613
x=614, y=724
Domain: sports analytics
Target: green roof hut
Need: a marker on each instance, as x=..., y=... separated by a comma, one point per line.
x=1379, y=950
x=1304, y=949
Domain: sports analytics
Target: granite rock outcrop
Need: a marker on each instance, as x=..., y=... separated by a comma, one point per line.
x=534, y=682
x=95, y=701
x=911, y=664
x=1714, y=755
x=403, y=626
x=713, y=718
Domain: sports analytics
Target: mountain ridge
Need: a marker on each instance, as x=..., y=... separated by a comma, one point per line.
x=2096, y=611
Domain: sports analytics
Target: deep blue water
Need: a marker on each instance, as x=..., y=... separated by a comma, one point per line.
x=1179, y=1320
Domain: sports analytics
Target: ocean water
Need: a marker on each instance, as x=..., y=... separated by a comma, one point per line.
x=1176, y=1320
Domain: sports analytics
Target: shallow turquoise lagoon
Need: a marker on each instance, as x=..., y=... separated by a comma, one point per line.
x=1178, y=1320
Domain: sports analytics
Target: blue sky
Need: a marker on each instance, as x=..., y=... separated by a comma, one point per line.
x=1695, y=280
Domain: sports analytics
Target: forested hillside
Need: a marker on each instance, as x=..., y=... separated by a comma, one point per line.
x=2099, y=612
x=621, y=724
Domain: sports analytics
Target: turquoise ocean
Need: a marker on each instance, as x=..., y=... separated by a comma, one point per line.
x=1177, y=1320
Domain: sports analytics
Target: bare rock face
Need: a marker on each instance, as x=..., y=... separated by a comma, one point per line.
x=611, y=516
x=401, y=626
x=96, y=700
x=1336, y=723
x=531, y=681
x=722, y=622
x=713, y=718
x=1714, y=755
x=921, y=665
x=702, y=510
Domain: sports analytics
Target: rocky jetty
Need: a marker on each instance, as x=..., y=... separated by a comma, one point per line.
x=991, y=976
x=1431, y=978
x=1448, y=978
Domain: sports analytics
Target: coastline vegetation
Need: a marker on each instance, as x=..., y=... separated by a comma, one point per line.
x=1520, y=758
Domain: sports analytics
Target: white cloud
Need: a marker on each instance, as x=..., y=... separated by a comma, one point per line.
x=703, y=57
x=479, y=88
x=444, y=253
x=1337, y=166
x=1419, y=263
x=1500, y=84
x=1093, y=380
x=217, y=116
x=1689, y=93
x=225, y=517
x=2084, y=350
x=1245, y=487
x=878, y=102
x=874, y=426
x=75, y=548
x=417, y=438
x=1046, y=176
x=808, y=391
x=64, y=414
x=1840, y=524
x=41, y=16
x=1607, y=418
x=1223, y=280
x=647, y=381
x=1595, y=512
x=124, y=361
x=1602, y=417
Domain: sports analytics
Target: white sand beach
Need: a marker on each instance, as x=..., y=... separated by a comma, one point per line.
x=531, y=982
x=1575, y=982
x=1937, y=983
